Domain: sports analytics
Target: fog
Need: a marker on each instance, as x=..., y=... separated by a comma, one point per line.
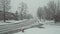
x=32, y=5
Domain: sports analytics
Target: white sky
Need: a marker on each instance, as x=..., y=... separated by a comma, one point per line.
x=32, y=5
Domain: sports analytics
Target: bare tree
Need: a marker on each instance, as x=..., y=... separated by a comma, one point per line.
x=48, y=13
x=52, y=10
x=23, y=8
x=5, y=6
x=52, y=6
x=29, y=16
x=39, y=12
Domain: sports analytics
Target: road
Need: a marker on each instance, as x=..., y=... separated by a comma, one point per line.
x=48, y=29
x=12, y=27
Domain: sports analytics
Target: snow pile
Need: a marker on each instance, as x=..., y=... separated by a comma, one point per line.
x=14, y=21
x=49, y=22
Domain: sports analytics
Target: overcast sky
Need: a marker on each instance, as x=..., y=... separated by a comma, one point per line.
x=32, y=5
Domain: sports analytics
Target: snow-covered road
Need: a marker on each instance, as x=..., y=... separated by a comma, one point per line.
x=49, y=29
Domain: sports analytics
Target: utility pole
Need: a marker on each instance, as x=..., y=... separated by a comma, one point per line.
x=4, y=11
x=17, y=15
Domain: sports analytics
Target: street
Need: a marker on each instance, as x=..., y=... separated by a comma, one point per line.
x=29, y=17
x=48, y=29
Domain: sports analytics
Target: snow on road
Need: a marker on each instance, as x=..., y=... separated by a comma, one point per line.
x=49, y=29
